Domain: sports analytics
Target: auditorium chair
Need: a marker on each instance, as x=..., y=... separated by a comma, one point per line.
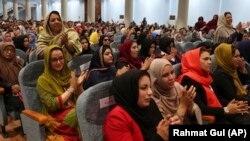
x=206, y=119
x=3, y=114
x=91, y=108
x=20, y=53
x=33, y=121
x=77, y=61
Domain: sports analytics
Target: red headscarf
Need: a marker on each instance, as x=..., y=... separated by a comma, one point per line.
x=125, y=50
x=191, y=67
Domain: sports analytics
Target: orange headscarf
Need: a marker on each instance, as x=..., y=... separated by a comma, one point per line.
x=191, y=67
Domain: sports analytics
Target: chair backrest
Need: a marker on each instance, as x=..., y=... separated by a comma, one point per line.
x=3, y=112
x=77, y=61
x=27, y=79
x=32, y=56
x=178, y=46
x=177, y=69
x=92, y=107
x=117, y=38
x=114, y=46
x=214, y=65
x=116, y=55
x=196, y=43
x=21, y=54
x=94, y=47
x=188, y=46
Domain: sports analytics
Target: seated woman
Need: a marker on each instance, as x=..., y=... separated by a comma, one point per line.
x=231, y=73
x=148, y=48
x=56, y=33
x=104, y=40
x=22, y=42
x=196, y=66
x=130, y=53
x=170, y=96
x=58, y=90
x=101, y=69
x=244, y=49
x=9, y=70
x=85, y=45
x=168, y=50
x=136, y=116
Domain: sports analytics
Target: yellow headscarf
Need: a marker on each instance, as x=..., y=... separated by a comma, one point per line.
x=223, y=58
x=94, y=38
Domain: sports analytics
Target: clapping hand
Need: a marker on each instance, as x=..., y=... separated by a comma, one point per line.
x=82, y=78
x=188, y=96
x=64, y=39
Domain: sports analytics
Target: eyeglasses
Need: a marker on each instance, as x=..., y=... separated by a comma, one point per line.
x=54, y=60
x=9, y=50
x=105, y=39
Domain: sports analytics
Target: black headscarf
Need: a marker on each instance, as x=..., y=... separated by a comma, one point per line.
x=244, y=48
x=97, y=60
x=164, y=44
x=102, y=39
x=88, y=51
x=19, y=42
x=145, y=47
x=125, y=89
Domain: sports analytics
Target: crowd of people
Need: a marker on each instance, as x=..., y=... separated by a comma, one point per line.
x=140, y=60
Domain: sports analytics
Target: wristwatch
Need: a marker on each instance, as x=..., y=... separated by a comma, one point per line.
x=226, y=110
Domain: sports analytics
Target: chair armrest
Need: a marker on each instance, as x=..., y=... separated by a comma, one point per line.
x=40, y=118
x=1, y=90
x=208, y=118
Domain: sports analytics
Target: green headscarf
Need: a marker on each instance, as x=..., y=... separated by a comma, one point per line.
x=56, y=82
x=223, y=58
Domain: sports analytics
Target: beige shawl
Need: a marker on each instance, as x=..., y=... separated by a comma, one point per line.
x=223, y=31
x=46, y=38
x=167, y=98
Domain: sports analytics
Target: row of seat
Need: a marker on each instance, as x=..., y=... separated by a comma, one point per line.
x=88, y=102
x=90, y=113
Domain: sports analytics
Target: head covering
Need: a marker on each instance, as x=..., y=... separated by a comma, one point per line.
x=57, y=82
x=46, y=38
x=223, y=22
x=99, y=71
x=88, y=51
x=223, y=58
x=32, y=43
x=46, y=23
x=244, y=48
x=125, y=89
x=145, y=47
x=11, y=67
x=191, y=67
x=97, y=60
x=94, y=38
x=165, y=97
x=223, y=30
x=101, y=39
x=165, y=43
x=19, y=42
x=125, y=50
